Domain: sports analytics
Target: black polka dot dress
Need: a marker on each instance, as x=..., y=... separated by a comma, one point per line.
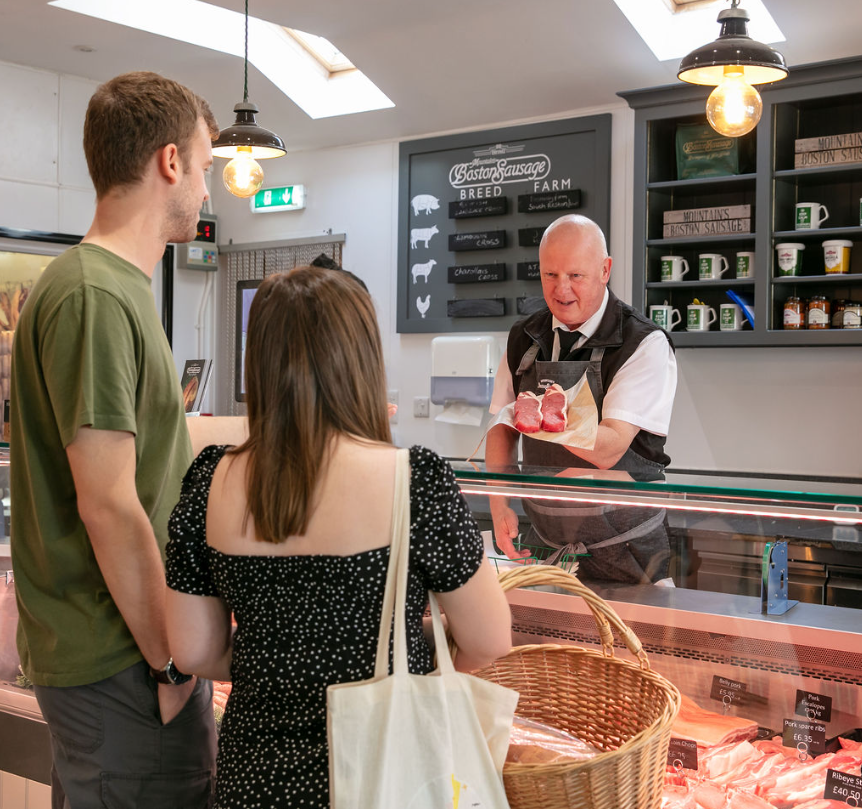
x=305, y=622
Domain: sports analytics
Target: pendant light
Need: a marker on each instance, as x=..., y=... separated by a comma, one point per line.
x=246, y=142
x=733, y=63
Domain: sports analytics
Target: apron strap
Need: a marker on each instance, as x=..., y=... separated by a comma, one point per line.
x=528, y=359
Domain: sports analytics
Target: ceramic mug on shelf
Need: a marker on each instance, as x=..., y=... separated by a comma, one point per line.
x=730, y=317
x=745, y=265
x=700, y=317
x=673, y=268
x=664, y=316
x=711, y=266
x=810, y=215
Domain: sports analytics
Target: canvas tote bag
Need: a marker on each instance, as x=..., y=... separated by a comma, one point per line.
x=410, y=741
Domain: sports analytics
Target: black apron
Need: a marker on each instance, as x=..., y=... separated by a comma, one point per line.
x=626, y=544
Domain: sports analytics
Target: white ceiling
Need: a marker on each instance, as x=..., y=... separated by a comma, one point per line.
x=447, y=64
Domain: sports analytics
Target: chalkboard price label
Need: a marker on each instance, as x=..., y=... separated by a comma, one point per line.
x=807, y=737
x=486, y=240
x=466, y=208
x=682, y=754
x=813, y=706
x=476, y=307
x=528, y=305
x=477, y=273
x=549, y=201
x=841, y=786
x=530, y=237
x=528, y=271
x=728, y=691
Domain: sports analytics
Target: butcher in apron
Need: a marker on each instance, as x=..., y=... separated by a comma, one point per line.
x=625, y=544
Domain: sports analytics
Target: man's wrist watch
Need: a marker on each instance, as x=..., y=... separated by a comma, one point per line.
x=170, y=674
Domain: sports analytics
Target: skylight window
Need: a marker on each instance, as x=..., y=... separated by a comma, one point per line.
x=308, y=69
x=673, y=28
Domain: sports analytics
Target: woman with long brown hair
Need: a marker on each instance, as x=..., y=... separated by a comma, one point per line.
x=289, y=533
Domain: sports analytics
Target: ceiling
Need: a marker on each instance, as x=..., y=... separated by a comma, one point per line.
x=447, y=64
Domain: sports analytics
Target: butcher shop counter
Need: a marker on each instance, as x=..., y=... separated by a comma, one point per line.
x=774, y=658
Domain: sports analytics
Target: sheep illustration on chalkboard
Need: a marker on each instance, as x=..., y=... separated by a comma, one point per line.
x=423, y=306
x=422, y=269
x=422, y=235
x=424, y=202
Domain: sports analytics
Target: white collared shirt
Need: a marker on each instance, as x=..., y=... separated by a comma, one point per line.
x=641, y=392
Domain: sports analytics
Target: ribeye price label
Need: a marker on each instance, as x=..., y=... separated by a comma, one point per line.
x=843, y=787
x=730, y=692
x=806, y=737
x=813, y=706
x=682, y=754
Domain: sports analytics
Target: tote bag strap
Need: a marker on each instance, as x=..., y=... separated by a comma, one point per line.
x=400, y=539
x=395, y=594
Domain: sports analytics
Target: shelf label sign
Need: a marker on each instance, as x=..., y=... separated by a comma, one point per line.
x=682, y=754
x=272, y=200
x=813, y=706
x=728, y=691
x=841, y=786
x=806, y=737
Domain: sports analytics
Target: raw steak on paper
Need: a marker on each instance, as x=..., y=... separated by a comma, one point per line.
x=554, y=407
x=528, y=413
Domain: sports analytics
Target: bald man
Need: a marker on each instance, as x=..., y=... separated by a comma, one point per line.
x=629, y=364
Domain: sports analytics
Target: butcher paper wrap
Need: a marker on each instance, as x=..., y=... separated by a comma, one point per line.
x=582, y=422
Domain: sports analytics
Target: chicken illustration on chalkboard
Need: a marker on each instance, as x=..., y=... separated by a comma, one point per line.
x=423, y=306
x=424, y=202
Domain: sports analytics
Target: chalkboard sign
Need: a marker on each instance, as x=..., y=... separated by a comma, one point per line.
x=530, y=305
x=464, y=209
x=528, y=271
x=551, y=201
x=531, y=237
x=476, y=307
x=486, y=240
x=477, y=273
x=480, y=191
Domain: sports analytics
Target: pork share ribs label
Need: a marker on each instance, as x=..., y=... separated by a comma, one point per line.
x=806, y=737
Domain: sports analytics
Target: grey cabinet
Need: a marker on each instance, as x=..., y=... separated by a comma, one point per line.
x=815, y=101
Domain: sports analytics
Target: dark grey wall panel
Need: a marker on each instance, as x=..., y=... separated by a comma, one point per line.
x=456, y=191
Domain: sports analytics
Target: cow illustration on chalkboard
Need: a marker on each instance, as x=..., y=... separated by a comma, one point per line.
x=424, y=202
x=422, y=235
x=423, y=306
x=422, y=269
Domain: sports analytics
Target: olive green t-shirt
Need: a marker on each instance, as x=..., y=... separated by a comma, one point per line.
x=89, y=350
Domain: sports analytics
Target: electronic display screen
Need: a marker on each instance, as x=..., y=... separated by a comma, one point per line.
x=245, y=292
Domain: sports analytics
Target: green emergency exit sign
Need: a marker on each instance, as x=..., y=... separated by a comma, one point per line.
x=271, y=200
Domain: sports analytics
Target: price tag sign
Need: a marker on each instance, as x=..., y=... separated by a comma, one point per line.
x=843, y=787
x=806, y=737
x=728, y=691
x=813, y=706
x=682, y=754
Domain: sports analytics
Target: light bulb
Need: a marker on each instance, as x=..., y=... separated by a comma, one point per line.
x=734, y=107
x=243, y=176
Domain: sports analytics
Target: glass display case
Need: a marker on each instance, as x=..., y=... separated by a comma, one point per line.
x=759, y=627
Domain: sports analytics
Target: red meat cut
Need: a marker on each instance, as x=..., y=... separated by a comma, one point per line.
x=554, y=406
x=528, y=413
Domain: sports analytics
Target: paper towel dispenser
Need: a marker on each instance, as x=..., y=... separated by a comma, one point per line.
x=463, y=369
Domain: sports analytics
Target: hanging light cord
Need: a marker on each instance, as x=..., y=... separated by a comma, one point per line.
x=245, y=84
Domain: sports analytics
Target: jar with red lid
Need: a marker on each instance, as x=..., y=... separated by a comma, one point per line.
x=794, y=313
x=817, y=314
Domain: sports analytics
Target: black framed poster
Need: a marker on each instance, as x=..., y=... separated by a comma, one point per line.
x=472, y=208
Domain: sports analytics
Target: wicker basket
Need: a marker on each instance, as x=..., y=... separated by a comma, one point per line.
x=622, y=708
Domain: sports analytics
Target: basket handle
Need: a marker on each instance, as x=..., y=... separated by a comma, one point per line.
x=603, y=613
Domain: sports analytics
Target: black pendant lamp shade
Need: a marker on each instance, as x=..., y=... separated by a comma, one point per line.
x=706, y=65
x=248, y=133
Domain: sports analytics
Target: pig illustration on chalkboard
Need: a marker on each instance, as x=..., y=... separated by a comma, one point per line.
x=422, y=235
x=423, y=306
x=422, y=269
x=424, y=202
